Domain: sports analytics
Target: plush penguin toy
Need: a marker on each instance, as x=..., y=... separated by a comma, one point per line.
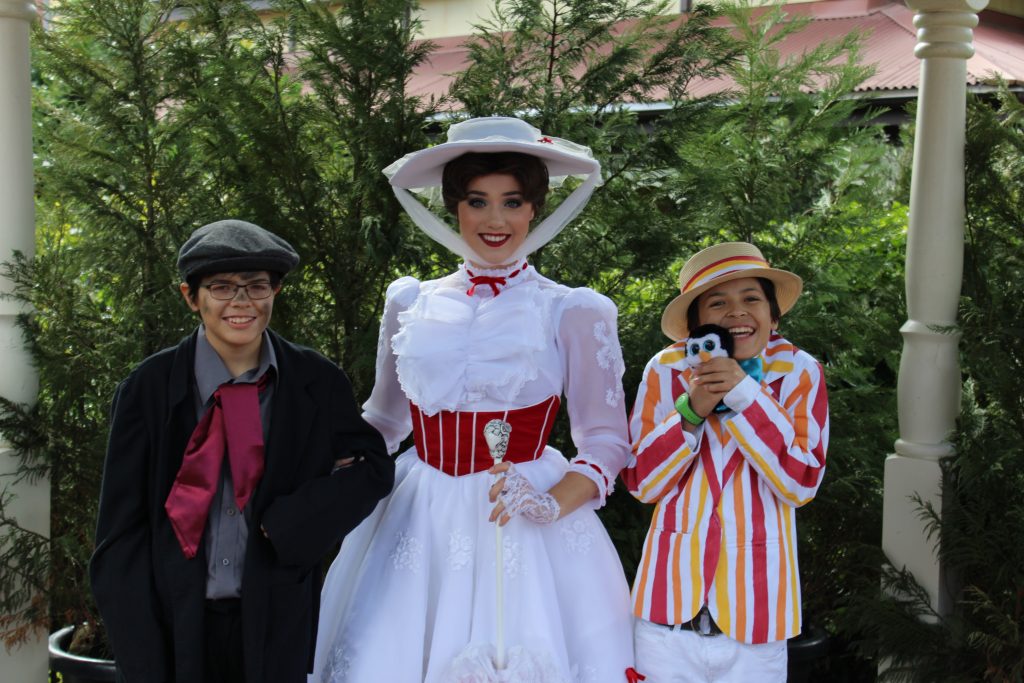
x=714, y=341
x=707, y=342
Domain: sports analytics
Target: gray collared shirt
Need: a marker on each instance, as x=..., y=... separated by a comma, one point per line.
x=226, y=530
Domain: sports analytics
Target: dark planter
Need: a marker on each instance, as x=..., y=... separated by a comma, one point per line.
x=808, y=652
x=75, y=668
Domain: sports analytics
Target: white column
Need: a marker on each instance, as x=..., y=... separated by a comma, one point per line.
x=17, y=232
x=929, y=379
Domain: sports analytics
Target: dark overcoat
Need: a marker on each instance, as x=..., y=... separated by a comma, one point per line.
x=150, y=596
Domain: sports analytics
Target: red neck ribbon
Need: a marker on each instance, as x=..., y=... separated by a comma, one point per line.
x=496, y=283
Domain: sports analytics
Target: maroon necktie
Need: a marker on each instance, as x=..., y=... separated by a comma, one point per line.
x=232, y=423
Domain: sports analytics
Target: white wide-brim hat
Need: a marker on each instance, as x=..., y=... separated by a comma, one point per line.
x=722, y=263
x=421, y=171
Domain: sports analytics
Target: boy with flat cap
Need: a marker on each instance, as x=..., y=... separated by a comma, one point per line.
x=236, y=461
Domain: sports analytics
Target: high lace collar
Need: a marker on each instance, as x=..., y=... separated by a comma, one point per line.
x=493, y=280
x=455, y=350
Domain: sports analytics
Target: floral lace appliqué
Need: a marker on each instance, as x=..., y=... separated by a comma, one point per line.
x=475, y=664
x=337, y=666
x=583, y=674
x=577, y=535
x=406, y=554
x=513, y=558
x=609, y=357
x=460, y=550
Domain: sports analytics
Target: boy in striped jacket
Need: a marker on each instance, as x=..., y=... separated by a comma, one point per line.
x=717, y=592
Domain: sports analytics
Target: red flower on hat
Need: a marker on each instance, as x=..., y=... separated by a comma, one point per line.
x=547, y=140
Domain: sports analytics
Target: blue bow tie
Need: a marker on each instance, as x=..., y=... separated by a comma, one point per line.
x=752, y=366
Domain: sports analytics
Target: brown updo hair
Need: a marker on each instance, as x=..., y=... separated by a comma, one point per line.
x=529, y=171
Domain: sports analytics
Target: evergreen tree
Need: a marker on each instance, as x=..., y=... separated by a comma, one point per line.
x=359, y=60
x=295, y=118
x=788, y=141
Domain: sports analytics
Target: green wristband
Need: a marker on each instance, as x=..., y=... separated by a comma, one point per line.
x=688, y=413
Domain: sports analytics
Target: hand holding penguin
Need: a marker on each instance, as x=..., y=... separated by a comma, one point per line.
x=709, y=352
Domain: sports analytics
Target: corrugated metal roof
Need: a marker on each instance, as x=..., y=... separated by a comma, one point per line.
x=890, y=37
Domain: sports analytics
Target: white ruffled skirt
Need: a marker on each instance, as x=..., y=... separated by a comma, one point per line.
x=411, y=596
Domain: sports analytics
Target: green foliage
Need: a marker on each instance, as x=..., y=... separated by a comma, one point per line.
x=787, y=145
x=111, y=167
x=562, y=58
x=978, y=532
x=981, y=534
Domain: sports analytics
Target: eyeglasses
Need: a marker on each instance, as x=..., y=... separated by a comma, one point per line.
x=226, y=291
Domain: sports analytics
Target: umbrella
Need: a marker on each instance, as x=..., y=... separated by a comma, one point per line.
x=492, y=663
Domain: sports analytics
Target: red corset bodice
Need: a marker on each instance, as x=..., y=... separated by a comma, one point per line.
x=453, y=442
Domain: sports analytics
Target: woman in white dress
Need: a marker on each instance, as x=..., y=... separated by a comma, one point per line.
x=411, y=596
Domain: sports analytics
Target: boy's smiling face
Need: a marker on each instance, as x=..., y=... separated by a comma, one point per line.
x=741, y=307
x=233, y=327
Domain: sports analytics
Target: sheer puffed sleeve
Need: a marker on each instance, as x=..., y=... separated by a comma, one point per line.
x=387, y=409
x=593, y=367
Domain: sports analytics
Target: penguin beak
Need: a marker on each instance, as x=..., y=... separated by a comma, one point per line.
x=704, y=356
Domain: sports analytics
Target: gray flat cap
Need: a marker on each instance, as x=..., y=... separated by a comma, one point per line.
x=233, y=246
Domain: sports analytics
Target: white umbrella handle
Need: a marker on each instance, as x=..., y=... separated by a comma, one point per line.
x=497, y=433
x=499, y=658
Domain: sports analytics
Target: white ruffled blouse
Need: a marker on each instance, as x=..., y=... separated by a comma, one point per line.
x=444, y=349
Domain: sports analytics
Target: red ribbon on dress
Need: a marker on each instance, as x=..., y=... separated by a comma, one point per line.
x=634, y=676
x=231, y=424
x=495, y=282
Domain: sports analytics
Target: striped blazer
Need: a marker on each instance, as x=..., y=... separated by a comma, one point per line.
x=723, y=531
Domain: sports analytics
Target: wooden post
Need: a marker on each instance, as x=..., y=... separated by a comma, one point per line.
x=929, y=379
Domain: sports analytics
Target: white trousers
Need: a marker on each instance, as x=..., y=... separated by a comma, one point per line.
x=676, y=656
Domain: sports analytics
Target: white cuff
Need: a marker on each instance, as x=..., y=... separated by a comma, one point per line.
x=743, y=394
x=693, y=439
x=595, y=474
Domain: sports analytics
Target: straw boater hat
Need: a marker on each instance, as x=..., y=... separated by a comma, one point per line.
x=722, y=263
x=421, y=172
